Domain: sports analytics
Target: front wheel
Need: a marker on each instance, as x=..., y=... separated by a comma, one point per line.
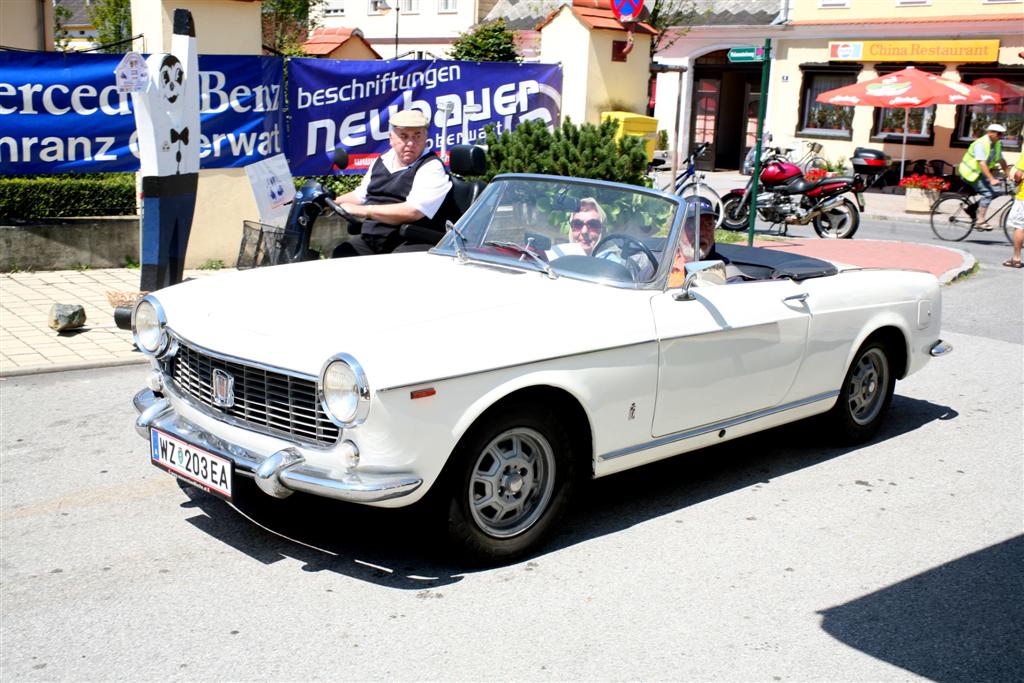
x=865, y=395
x=952, y=218
x=841, y=221
x=735, y=211
x=513, y=477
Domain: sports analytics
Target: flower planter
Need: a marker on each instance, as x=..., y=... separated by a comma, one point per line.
x=920, y=200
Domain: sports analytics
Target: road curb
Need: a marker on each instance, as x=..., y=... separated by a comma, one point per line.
x=64, y=367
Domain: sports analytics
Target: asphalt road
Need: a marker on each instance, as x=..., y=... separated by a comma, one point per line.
x=775, y=557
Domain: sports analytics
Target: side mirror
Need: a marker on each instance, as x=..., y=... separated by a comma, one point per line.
x=340, y=158
x=701, y=274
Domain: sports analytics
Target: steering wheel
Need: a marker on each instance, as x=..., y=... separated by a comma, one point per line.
x=626, y=240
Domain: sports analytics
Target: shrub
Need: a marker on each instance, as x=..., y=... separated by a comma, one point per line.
x=585, y=151
x=61, y=196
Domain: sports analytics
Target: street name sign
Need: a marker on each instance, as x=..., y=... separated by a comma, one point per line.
x=746, y=54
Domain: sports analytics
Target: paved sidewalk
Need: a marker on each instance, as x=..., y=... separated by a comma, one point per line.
x=28, y=345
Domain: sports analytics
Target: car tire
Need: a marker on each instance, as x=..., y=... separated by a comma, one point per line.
x=512, y=478
x=865, y=395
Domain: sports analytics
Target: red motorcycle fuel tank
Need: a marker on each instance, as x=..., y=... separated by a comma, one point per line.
x=778, y=172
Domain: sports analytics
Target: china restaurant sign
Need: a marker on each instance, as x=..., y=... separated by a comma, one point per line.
x=913, y=50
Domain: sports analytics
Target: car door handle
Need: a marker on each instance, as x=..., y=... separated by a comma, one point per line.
x=802, y=296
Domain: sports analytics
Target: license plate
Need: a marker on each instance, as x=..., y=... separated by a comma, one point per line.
x=860, y=200
x=209, y=472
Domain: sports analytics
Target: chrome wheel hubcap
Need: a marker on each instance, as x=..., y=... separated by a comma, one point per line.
x=511, y=483
x=867, y=386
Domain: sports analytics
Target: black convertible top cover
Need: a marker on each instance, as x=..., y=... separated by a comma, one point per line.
x=782, y=264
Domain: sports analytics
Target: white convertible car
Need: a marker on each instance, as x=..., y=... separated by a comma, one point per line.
x=493, y=373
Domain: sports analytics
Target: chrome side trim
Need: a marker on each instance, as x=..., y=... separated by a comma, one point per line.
x=940, y=348
x=724, y=424
x=514, y=365
x=285, y=470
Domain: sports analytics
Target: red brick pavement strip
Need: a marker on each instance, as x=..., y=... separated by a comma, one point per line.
x=944, y=263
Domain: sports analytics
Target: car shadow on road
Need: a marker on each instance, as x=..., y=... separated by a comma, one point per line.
x=402, y=549
x=960, y=621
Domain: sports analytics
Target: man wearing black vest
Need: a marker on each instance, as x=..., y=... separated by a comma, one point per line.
x=404, y=185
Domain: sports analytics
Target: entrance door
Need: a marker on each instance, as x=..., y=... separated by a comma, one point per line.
x=705, y=118
x=752, y=105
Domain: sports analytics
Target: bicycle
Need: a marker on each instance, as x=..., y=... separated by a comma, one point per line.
x=689, y=181
x=811, y=158
x=954, y=215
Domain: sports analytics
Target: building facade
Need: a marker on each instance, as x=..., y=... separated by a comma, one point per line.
x=818, y=45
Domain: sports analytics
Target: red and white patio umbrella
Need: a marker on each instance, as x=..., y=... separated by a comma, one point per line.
x=907, y=89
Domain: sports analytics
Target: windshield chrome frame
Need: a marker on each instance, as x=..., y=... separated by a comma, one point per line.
x=658, y=282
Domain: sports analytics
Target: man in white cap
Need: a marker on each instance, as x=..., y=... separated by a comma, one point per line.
x=405, y=185
x=976, y=168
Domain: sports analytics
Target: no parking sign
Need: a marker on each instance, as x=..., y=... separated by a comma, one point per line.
x=627, y=10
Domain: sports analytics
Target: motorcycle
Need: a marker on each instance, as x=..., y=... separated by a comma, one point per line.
x=786, y=198
x=263, y=246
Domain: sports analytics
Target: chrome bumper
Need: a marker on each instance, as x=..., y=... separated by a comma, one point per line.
x=940, y=348
x=280, y=474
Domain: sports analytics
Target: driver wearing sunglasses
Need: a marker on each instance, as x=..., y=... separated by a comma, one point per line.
x=587, y=225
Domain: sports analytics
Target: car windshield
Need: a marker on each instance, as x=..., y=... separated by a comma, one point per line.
x=592, y=230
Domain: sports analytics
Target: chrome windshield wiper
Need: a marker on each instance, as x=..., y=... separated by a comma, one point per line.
x=525, y=251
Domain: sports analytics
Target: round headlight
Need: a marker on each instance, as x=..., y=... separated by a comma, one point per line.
x=147, y=327
x=343, y=391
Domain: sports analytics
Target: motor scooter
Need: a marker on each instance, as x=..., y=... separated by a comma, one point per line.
x=263, y=246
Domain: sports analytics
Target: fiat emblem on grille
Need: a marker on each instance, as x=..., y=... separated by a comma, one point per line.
x=223, y=389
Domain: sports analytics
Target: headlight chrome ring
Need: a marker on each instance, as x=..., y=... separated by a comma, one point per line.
x=148, y=327
x=343, y=391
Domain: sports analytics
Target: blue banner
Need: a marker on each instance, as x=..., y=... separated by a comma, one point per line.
x=349, y=103
x=61, y=112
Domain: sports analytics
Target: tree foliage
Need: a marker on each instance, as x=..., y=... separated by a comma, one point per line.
x=585, y=151
x=61, y=37
x=491, y=42
x=671, y=19
x=287, y=24
x=113, y=22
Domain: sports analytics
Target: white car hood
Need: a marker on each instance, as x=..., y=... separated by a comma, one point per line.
x=406, y=318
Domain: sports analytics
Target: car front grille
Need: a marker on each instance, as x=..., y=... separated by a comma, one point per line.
x=265, y=400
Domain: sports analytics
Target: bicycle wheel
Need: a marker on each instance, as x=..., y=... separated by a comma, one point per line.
x=816, y=162
x=689, y=189
x=1005, y=223
x=951, y=219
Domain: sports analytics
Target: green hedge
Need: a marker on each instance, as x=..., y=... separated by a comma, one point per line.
x=585, y=151
x=61, y=196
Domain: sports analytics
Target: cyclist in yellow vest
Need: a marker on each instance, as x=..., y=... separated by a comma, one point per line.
x=976, y=168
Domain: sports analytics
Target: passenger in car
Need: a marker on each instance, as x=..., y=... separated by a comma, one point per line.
x=699, y=212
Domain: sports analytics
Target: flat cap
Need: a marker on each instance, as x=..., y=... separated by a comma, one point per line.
x=409, y=118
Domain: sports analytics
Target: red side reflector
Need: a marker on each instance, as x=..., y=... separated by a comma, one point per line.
x=422, y=393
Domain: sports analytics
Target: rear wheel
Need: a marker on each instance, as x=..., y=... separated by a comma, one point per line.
x=513, y=477
x=865, y=395
x=951, y=218
x=735, y=212
x=841, y=221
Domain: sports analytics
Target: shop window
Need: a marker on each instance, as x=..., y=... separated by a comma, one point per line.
x=971, y=120
x=818, y=118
